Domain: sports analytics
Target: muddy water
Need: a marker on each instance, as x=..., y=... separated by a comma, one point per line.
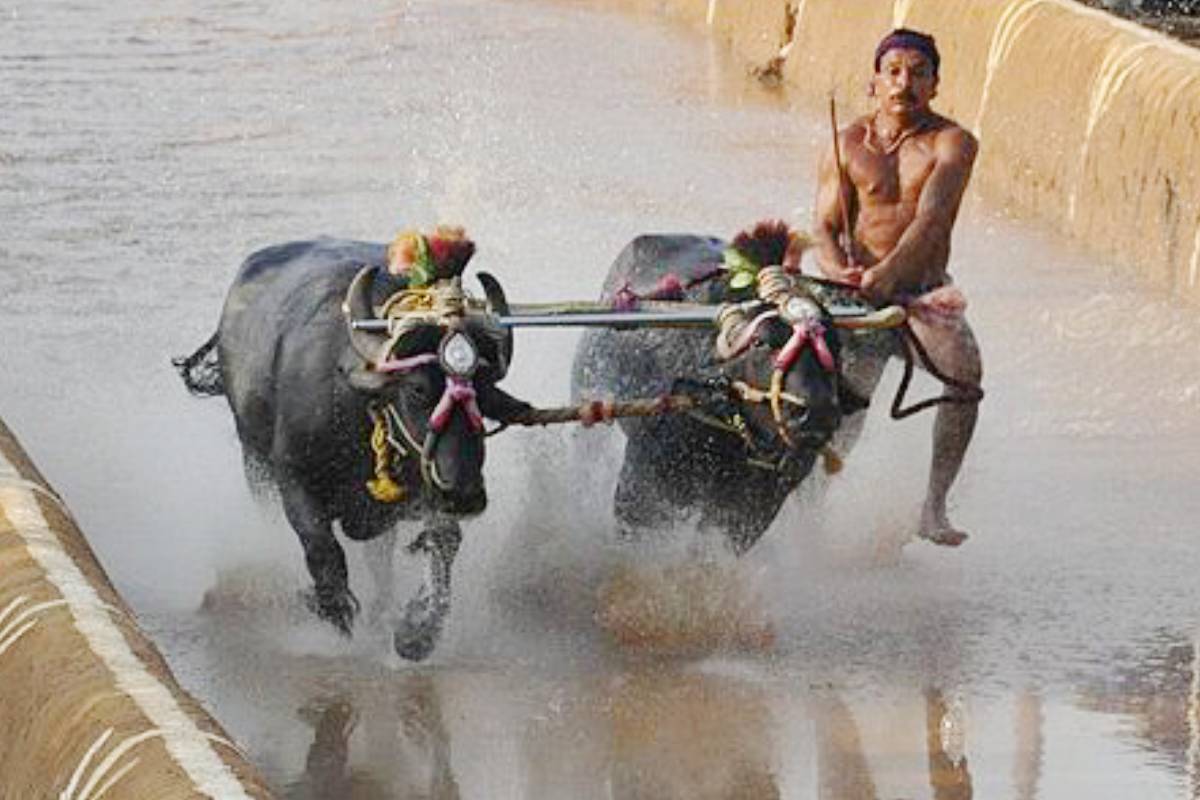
x=145, y=151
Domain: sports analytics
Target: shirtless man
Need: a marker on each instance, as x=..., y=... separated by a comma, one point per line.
x=904, y=174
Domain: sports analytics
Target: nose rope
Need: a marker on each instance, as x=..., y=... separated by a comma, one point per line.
x=775, y=398
x=810, y=332
x=458, y=392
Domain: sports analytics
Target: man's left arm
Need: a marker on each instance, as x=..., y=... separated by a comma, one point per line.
x=927, y=238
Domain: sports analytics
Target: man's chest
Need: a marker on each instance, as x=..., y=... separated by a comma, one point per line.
x=890, y=178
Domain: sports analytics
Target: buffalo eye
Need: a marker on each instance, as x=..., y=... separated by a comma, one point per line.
x=420, y=389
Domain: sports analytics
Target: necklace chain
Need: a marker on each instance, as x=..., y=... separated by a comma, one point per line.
x=901, y=138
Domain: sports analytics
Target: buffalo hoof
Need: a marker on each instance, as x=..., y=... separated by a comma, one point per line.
x=339, y=608
x=418, y=633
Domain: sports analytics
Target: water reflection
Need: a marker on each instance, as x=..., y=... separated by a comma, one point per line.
x=843, y=772
x=691, y=736
x=944, y=734
x=406, y=743
x=1030, y=743
x=327, y=770
x=844, y=769
x=1156, y=686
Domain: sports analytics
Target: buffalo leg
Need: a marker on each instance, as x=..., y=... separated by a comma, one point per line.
x=421, y=625
x=640, y=503
x=331, y=599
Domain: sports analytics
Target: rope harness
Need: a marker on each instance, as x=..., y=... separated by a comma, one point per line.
x=388, y=449
x=714, y=403
x=392, y=442
x=969, y=392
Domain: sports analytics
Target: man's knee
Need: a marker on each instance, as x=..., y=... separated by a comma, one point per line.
x=970, y=369
x=953, y=353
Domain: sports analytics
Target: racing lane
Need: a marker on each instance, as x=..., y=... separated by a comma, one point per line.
x=145, y=152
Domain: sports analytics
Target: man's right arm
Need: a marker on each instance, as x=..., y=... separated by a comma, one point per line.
x=828, y=223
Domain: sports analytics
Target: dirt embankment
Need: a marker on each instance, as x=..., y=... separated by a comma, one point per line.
x=1179, y=19
x=88, y=707
x=1087, y=122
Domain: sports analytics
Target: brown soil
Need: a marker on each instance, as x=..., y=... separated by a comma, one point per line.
x=1179, y=19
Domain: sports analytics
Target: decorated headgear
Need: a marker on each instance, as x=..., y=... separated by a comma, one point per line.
x=905, y=39
x=425, y=258
x=767, y=243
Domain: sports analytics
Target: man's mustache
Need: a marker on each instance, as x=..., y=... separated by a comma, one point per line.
x=907, y=97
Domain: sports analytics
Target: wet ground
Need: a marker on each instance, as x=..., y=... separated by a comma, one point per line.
x=144, y=150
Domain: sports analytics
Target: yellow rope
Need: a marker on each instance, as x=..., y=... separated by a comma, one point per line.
x=382, y=487
x=407, y=300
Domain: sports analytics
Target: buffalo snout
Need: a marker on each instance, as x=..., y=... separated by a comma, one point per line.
x=461, y=503
x=814, y=424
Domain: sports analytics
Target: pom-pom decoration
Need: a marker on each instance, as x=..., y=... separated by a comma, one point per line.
x=425, y=258
x=766, y=244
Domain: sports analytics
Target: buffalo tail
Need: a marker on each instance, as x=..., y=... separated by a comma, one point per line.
x=201, y=371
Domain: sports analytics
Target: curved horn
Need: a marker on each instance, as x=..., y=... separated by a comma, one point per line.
x=497, y=304
x=774, y=285
x=886, y=317
x=731, y=323
x=357, y=307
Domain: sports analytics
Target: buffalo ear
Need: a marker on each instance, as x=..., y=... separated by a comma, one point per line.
x=361, y=377
x=497, y=404
x=365, y=380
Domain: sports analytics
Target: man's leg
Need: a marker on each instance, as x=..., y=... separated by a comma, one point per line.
x=955, y=353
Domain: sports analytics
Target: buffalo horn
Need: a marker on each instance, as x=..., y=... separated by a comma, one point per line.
x=497, y=306
x=356, y=307
x=730, y=323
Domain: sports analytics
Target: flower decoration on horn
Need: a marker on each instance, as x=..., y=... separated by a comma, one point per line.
x=423, y=258
x=767, y=243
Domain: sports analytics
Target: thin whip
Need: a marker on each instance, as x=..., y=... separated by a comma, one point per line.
x=837, y=159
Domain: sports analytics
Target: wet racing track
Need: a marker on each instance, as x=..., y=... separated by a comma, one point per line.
x=144, y=150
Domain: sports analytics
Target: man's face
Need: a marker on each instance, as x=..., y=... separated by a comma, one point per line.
x=904, y=83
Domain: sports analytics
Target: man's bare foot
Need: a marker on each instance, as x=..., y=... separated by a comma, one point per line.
x=941, y=532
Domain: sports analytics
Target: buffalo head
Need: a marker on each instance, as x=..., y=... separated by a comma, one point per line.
x=782, y=359
x=436, y=367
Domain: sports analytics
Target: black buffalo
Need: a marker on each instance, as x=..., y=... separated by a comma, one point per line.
x=303, y=394
x=770, y=386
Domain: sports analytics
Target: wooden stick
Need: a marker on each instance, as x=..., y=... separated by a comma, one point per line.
x=847, y=250
x=592, y=411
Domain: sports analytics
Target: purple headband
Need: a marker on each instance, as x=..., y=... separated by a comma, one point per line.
x=905, y=39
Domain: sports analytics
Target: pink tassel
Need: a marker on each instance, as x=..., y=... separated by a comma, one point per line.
x=625, y=299
x=669, y=288
x=458, y=392
x=406, y=364
x=805, y=333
